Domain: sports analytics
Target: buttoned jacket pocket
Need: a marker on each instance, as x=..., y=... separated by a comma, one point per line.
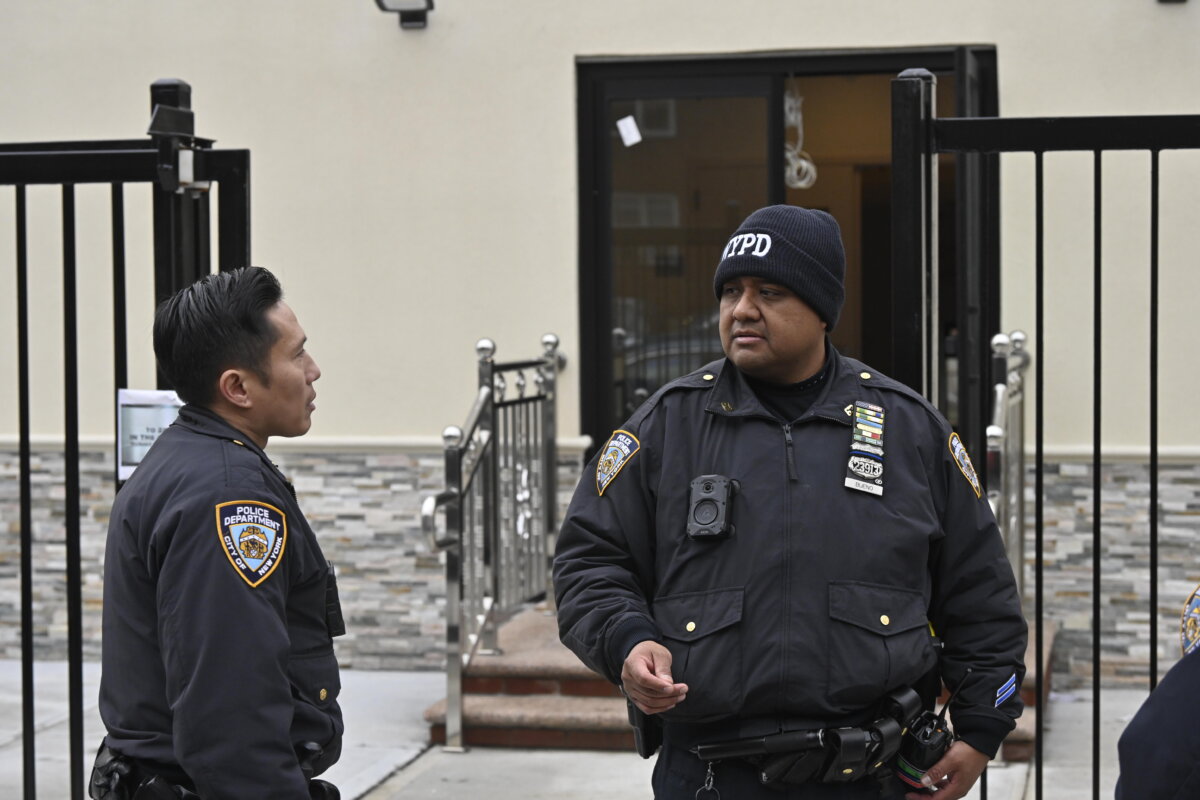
x=704, y=634
x=879, y=640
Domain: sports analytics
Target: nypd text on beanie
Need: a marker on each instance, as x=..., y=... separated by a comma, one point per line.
x=795, y=247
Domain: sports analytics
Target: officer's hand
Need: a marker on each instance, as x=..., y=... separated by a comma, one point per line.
x=955, y=774
x=646, y=678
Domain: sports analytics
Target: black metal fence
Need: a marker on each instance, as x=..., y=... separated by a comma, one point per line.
x=918, y=138
x=180, y=170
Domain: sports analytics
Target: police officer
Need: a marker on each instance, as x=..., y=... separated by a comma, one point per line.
x=219, y=677
x=775, y=549
x=1159, y=751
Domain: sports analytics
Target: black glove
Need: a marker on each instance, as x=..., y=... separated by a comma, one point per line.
x=323, y=790
x=110, y=776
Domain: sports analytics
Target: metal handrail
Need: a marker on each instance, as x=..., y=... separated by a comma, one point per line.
x=499, y=504
x=1006, y=446
x=429, y=508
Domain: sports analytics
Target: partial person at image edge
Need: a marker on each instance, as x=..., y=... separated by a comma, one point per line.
x=219, y=677
x=1159, y=751
x=782, y=542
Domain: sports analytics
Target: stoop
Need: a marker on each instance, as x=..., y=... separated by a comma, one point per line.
x=537, y=694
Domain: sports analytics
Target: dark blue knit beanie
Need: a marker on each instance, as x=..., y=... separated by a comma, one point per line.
x=796, y=247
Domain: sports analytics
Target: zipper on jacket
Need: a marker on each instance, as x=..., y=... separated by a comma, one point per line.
x=791, y=456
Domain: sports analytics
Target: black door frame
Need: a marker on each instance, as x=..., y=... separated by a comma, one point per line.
x=600, y=79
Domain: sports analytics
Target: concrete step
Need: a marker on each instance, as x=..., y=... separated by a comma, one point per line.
x=531, y=660
x=535, y=693
x=546, y=720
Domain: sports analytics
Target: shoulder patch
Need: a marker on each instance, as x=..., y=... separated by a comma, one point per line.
x=1189, y=627
x=621, y=447
x=253, y=535
x=959, y=451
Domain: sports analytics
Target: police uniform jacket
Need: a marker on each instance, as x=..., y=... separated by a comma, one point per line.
x=821, y=599
x=1158, y=749
x=218, y=657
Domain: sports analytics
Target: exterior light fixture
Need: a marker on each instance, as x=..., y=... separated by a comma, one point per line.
x=412, y=12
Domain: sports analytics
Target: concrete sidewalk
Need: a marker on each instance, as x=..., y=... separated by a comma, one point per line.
x=385, y=756
x=384, y=727
x=500, y=774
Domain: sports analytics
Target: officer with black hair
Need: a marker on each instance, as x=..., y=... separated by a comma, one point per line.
x=779, y=552
x=219, y=676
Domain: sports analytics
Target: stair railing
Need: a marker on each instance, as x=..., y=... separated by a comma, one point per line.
x=1006, y=446
x=499, y=506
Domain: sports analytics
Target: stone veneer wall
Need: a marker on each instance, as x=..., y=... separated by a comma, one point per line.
x=1124, y=565
x=365, y=509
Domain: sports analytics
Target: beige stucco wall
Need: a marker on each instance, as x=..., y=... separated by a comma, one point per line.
x=417, y=190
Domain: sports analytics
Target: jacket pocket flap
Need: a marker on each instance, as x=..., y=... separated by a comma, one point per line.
x=883, y=610
x=692, y=615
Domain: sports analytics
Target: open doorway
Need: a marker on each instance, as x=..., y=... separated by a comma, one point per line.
x=673, y=155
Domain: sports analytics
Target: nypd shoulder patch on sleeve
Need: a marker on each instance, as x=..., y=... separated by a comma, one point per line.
x=621, y=447
x=1189, y=625
x=253, y=535
x=959, y=451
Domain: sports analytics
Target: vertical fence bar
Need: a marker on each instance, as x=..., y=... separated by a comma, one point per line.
x=452, y=439
x=1097, y=384
x=1153, y=419
x=911, y=119
x=514, y=550
x=72, y=520
x=537, y=528
x=549, y=455
x=233, y=213
x=1039, y=470
x=507, y=528
x=488, y=532
x=29, y=762
x=120, y=345
x=524, y=552
x=485, y=530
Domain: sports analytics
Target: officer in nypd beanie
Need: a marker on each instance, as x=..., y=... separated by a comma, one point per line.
x=761, y=555
x=798, y=248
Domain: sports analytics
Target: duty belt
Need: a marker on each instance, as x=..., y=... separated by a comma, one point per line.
x=828, y=755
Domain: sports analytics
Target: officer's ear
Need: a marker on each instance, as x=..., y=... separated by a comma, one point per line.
x=233, y=389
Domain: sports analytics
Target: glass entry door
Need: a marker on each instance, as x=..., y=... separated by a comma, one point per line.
x=684, y=169
x=674, y=152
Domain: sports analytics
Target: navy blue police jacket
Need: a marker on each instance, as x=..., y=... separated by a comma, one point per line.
x=1159, y=751
x=822, y=598
x=217, y=654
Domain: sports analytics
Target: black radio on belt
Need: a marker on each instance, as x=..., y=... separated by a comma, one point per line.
x=708, y=511
x=927, y=740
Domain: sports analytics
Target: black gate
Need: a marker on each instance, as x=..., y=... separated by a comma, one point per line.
x=180, y=170
x=918, y=138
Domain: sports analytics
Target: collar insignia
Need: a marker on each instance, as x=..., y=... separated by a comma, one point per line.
x=621, y=447
x=253, y=536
